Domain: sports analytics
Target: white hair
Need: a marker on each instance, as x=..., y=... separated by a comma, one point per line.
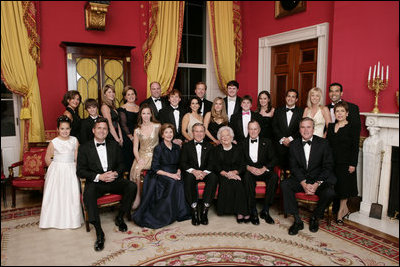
x=224, y=128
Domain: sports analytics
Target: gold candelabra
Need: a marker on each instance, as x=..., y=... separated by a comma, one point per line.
x=378, y=83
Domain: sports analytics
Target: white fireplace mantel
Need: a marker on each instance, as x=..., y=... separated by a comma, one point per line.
x=377, y=152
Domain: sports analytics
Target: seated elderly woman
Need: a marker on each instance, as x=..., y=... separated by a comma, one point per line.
x=229, y=166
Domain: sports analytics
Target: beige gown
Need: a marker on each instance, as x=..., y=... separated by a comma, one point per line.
x=146, y=147
x=319, y=121
x=192, y=121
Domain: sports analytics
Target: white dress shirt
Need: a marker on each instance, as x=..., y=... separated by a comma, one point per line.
x=102, y=152
x=202, y=107
x=157, y=103
x=176, y=116
x=245, y=120
x=253, y=150
x=199, y=148
x=289, y=115
x=307, y=149
x=231, y=106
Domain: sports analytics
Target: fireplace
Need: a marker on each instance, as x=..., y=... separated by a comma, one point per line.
x=377, y=160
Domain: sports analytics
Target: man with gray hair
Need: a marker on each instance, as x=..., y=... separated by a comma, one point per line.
x=196, y=167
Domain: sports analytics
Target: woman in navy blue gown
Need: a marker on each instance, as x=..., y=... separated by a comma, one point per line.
x=163, y=201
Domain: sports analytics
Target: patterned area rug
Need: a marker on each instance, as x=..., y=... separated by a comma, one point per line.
x=222, y=242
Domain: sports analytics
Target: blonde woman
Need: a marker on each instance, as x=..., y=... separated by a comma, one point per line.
x=215, y=119
x=109, y=111
x=145, y=139
x=317, y=111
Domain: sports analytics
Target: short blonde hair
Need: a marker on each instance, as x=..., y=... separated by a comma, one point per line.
x=225, y=128
x=314, y=90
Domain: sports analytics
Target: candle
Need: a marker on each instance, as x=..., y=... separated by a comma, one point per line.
x=379, y=67
x=382, y=73
x=387, y=72
x=369, y=74
x=373, y=77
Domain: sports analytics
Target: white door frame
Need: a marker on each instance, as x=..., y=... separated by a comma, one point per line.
x=265, y=44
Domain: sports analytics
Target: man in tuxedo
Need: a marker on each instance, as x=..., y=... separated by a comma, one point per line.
x=155, y=101
x=195, y=164
x=101, y=163
x=173, y=113
x=200, y=91
x=91, y=107
x=285, y=125
x=239, y=121
x=232, y=100
x=311, y=166
x=260, y=161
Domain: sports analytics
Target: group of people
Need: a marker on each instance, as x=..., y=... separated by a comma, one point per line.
x=222, y=143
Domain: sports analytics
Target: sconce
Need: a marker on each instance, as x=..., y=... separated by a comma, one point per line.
x=95, y=15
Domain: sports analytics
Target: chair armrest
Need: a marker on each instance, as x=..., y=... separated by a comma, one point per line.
x=83, y=182
x=11, y=168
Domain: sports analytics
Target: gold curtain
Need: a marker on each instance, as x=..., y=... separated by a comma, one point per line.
x=163, y=44
x=226, y=39
x=18, y=68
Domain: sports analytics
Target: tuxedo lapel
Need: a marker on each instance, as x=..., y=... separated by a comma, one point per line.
x=93, y=151
x=203, y=155
x=109, y=156
x=302, y=155
x=240, y=124
x=247, y=149
x=194, y=152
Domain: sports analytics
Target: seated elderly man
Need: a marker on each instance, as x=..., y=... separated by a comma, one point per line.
x=229, y=165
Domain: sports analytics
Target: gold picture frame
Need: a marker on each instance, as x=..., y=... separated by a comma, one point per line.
x=286, y=8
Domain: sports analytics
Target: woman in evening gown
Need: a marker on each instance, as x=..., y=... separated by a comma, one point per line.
x=191, y=118
x=145, y=139
x=265, y=109
x=163, y=200
x=215, y=119
x=317, y=111
x=109, y=111
x=71, y=101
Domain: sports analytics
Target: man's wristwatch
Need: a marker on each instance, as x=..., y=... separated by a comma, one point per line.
x=319, y=182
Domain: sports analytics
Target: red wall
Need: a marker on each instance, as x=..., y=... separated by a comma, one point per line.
x=64, y=21
x=361, y=33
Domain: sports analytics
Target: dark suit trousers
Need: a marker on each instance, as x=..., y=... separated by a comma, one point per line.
x=191, y=193
x=250, y=181
x=290, y=186
x=94, y=190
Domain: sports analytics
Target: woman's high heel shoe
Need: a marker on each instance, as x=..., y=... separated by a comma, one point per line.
x=346, y=216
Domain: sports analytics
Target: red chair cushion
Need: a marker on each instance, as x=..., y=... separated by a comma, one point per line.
x=108, y=199
x=34, y=163
x=30, y=183
x=303, y=196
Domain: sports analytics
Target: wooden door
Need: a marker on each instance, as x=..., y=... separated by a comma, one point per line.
x=294, y=66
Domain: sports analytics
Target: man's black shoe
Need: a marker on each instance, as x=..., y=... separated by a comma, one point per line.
x=314, y=224
x=295, y=228
x=241, y=220
x=99, y=244
x=203, y=216
x=254, y=219
x=268, y=219
x=195, y=216
x=119, y=221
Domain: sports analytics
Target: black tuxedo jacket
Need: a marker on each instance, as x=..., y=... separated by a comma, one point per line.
x=86, y=129
x=320, y=163
x=280, y=125
x=266, y=154
x=167, y=116
x=150, y=102
x=237, y=108
x=189, y=156
x=89, y=165
x=236, y=124
x=207, y=106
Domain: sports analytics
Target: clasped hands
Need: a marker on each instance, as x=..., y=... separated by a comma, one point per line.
x=231, y=175
x=175, y=176
x=256, y=171
x=199, y=174
x=309, y=189
x=109, y=176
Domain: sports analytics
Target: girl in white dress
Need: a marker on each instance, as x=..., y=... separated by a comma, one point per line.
x=317, y=111
x=61, y=206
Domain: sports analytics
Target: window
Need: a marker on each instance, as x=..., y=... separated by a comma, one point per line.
x=195, y=60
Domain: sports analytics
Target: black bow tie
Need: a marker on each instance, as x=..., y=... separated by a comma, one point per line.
x=253, y=140
x=331, y=105
x=289, y=109
x=100, y=144
x=307, y=142
x=175, y=109
x=157, y=99
x=198, y=143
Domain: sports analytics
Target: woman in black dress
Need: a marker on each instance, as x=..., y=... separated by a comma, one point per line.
x=163, y=200
x=343, y=140
x=128, y=114
x=265, y=109
x=229, y=165
x=71, y=101
x=215, y=119
x=109, y=111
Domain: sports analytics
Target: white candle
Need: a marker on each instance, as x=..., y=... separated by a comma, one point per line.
x=387, y=72
x=382, y=73
x=379, y=67
x=373, y=77
x=369, y=74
